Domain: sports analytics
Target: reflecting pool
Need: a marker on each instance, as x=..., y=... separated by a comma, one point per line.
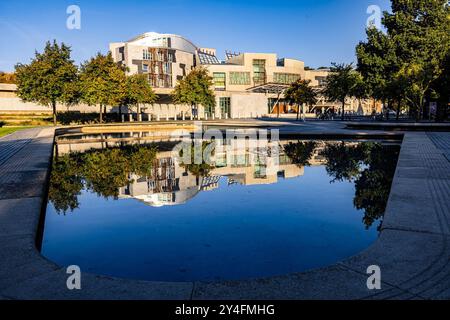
x=137, y=211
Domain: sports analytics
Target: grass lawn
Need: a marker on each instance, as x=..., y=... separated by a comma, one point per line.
x=7, y=130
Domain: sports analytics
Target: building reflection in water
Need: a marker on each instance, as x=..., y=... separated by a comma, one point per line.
x=153, y=173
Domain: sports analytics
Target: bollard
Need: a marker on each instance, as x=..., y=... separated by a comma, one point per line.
x=130, y=116
x=149, y=117
x=158, y=118
x=183, y=116
x=192, y=117
x=167, y=117
x=206, y=116
x=123, y=118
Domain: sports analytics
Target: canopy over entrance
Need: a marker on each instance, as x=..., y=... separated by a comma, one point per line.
x=271, y=87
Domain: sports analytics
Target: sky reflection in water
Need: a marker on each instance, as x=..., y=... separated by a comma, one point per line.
x=171, y=222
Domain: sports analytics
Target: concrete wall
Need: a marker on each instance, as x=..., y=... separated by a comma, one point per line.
x=248, y=105
x=15, y=104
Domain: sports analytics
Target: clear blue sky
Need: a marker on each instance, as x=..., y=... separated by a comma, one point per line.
x=316, y=31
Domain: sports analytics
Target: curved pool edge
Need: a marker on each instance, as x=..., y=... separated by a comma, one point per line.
x=412, y=250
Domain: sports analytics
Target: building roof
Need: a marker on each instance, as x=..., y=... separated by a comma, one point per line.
x=150, y=39
x=270, y=87
x=206, y=58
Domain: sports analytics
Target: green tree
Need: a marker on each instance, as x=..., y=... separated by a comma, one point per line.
x=49, y=79
x=138, y=91
x=441, y=90
x=102, y=82
x=405, y=62
x=342, y=83
x=7, y=77
x=195, y=89
x=378, y=64
x=301, y=93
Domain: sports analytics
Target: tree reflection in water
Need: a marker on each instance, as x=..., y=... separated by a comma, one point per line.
x=101, y=171
x=369, y=165
x=301, y=152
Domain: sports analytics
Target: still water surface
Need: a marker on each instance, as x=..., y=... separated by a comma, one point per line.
x=136, y=212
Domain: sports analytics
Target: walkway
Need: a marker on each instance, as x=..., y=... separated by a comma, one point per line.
x=413, y=250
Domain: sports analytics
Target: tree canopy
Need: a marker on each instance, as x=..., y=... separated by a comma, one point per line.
x=300, y=92
x=6, y=77
x=49, y=79
x=102, y=82
x=195, y=89
x=409, y=58
x=343, y=82
x=138, y=91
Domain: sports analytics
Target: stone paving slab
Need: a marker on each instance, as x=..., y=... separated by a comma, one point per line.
x=52, y=286
x=335, y=282
x=20, y=216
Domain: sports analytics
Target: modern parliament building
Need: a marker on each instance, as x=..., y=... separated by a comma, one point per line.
x=246, y=85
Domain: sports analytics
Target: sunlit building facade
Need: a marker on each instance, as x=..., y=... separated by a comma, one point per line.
x=246, y=85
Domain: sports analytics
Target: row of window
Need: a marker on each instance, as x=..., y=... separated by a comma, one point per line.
x=166, y=68
x=157, y=56
x=243, y=78
x=285, y=78
x=224, y=105
x=160, y=81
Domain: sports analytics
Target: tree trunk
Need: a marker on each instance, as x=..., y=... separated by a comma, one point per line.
x=138, y=107
x=54, y=113
x=120, y=113
x=388, y=108
x=343, y=110
x=101, y=114
x=298, y=111
x=399, y=105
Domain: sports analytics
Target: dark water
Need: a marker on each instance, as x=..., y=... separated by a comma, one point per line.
x=134, y=212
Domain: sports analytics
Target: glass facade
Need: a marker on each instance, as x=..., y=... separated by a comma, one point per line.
x=259, y=71
x=146, y=55
x=240, y=78
x=225, y=106
x=209, y=110
x=219, y=79
x=285, y=78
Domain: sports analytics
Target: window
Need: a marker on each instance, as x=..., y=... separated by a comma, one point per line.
x=240, y=78
x=219, y=80
x=146, y=54
x=285, y=78
x=259, y=71
x=225, y=106
x=145, y=67
x=167, y=68
x=170, y=57
x=209, y=110
x=207, y=58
